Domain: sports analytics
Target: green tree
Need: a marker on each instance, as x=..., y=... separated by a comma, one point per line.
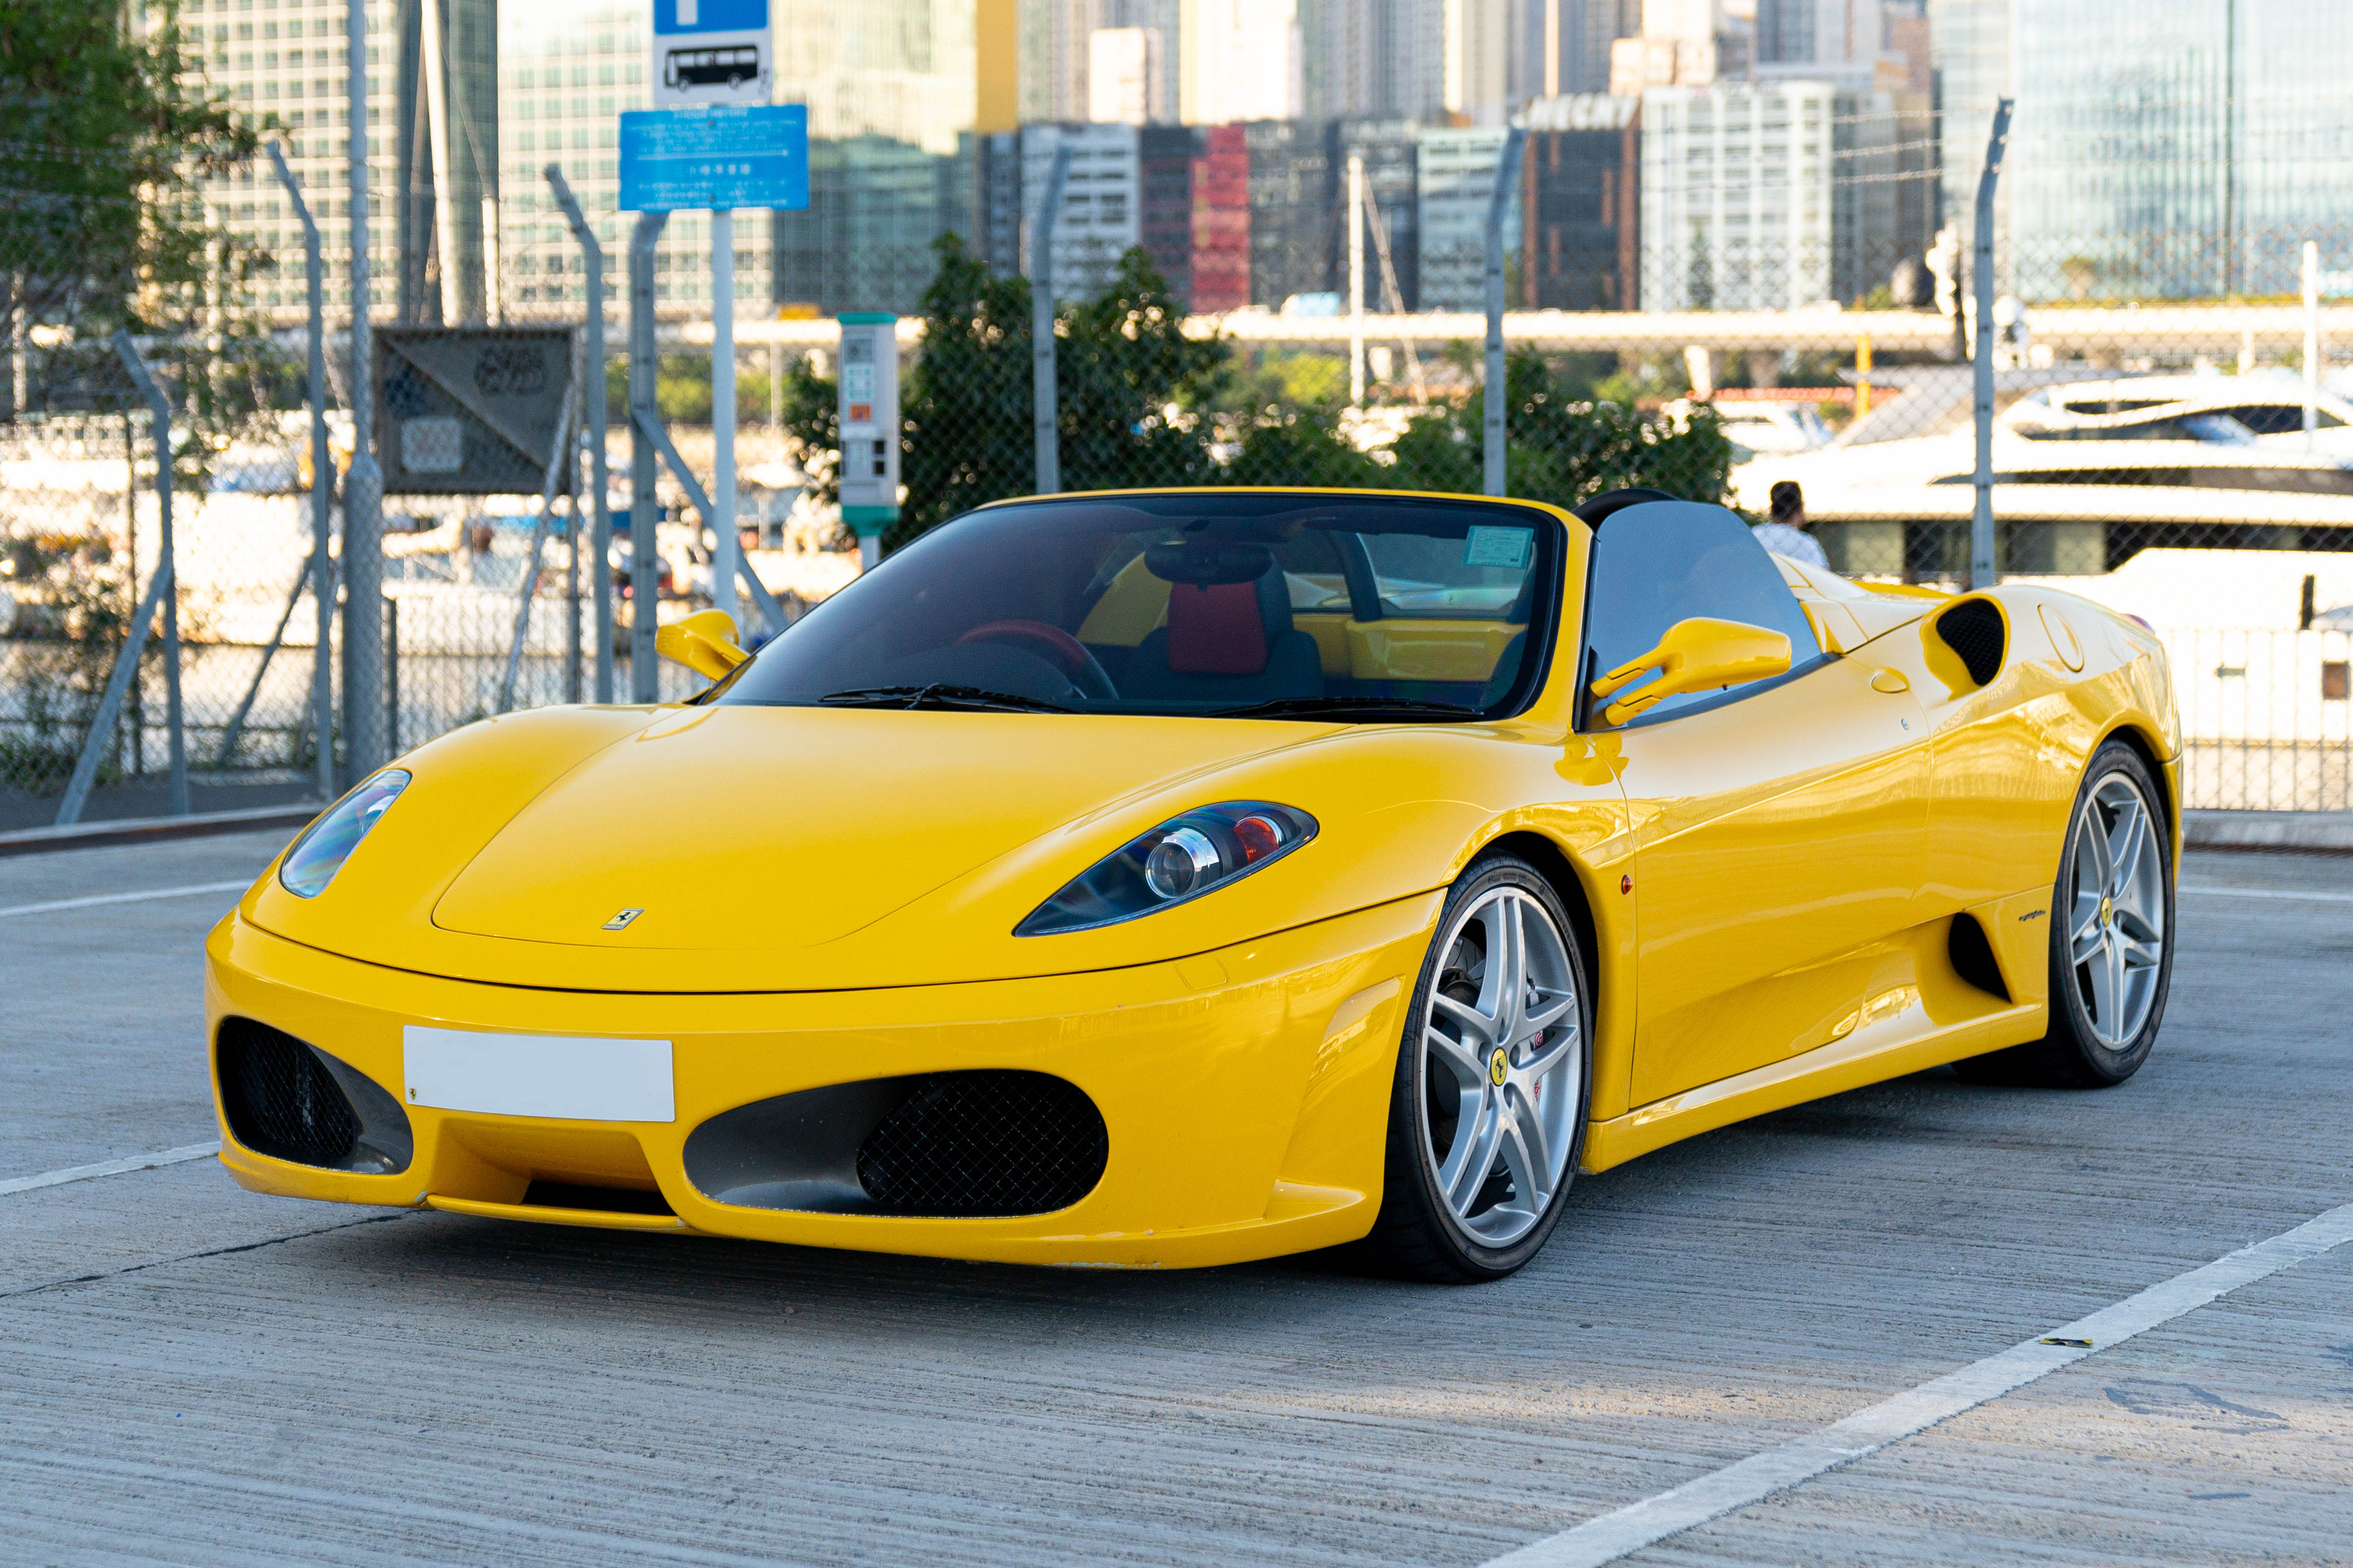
x=1564, y=450
x=103, y=144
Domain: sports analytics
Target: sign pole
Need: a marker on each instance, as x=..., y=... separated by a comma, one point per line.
x=726, y=556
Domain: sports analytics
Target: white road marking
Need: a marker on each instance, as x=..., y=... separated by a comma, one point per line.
x=1611, y=1536
x=128, y=1164
x=2263, y=893
x=96, y=899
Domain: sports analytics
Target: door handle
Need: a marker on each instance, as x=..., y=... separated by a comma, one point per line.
x=1890, y=680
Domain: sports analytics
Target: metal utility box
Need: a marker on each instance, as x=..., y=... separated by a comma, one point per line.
x=870, y=427
x=470, y=411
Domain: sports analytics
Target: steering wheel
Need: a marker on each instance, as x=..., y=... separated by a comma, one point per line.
x=1066, y=652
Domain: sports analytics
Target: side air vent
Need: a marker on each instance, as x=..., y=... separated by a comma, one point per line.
x=1974, y=630
x=1972, y=956
x=963, y=1145
x=292, y=1101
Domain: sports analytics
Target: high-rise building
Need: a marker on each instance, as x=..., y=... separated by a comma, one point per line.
x=1100, y=217
x=1580, y=192
x=1969, y=44
x=891, y=90
x=1292, y=215
x=1378, y=59
x=288, y=60
x=1389, y=152
x=1478, y=85
x=1165, y=158
x=1121, y=78
x=1736, y=195
x=1238, y=60
x=1820, y=32
x=1778, y=193
x=1059, y=67
x=567, y=69
x=1220, y=274
x=1455, y=177
x=1562, y=46
x=2189, y=155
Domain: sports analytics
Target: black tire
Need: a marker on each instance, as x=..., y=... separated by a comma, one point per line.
x=1416, y=1235
x=2074, y=1055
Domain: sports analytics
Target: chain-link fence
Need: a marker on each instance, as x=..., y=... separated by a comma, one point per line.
x=1762, y=293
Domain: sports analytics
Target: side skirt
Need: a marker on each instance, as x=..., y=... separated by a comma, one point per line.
x=1866, y=1056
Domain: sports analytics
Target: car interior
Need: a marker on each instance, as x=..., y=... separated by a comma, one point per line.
x=1185, y=604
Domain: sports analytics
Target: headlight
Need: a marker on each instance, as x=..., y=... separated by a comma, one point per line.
x=327, y=843
x=1182, y=858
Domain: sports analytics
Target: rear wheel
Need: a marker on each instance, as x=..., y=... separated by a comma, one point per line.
x=2111, y=936
x=1487, y=1111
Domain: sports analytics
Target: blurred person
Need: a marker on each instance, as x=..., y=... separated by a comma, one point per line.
x=1789, y=534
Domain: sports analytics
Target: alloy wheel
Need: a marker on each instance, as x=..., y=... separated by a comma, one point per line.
x=2115, y=922
x=1501, y=1059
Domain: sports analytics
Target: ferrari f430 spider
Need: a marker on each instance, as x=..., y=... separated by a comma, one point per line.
x=1176, y=878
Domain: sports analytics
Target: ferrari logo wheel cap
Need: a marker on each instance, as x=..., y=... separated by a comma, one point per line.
x=2107, y=911
x=1499, y=1067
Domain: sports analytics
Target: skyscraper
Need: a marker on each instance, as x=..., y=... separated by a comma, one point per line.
x=1238, y=60
x=1381, y=59
x=288, y=60
x=2188, y=154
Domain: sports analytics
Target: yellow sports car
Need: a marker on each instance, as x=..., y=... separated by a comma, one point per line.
x=1174, y=878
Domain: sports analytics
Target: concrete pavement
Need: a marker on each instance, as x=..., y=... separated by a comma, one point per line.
x=192, y=1373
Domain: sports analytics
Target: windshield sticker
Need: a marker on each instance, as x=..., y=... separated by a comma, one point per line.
x=1505, y=547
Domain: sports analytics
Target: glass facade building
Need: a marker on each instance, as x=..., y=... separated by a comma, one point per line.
x=889, y=86
x=2188, y=154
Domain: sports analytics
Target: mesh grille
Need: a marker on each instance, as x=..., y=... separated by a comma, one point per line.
x=1973, y=629
x=974, y=1144
x=281, y=1101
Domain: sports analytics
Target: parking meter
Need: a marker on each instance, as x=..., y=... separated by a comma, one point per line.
x=870, y=428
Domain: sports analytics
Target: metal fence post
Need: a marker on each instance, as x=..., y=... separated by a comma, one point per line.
x=167, y=564
x=645, y=572
x=363, y=735
x=391, y=677
x=1492, y=395
x=1982, y=571
x=161, y=591
x=319, y=572
x=559, y=454
x=1045, y=419
x=593, y=390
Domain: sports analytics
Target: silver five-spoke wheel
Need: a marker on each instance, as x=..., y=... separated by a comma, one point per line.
x=1501, y=1060
x=2116, y=918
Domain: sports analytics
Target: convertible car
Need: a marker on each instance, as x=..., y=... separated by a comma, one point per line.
x=1174, y=878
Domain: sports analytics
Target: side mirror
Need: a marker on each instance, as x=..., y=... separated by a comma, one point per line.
x=705, y=644
x=1697, y=655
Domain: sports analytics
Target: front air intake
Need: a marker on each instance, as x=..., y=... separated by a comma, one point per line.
x=291, y=1102
x=972, y=1143
x=990, y=1143
x=1975, y=631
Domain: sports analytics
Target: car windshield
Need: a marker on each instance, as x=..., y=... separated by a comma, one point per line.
x=1205, y=603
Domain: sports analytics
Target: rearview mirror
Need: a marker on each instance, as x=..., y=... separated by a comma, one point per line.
x=1698, y=655
x=705, y=644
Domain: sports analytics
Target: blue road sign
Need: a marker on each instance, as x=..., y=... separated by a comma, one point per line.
x=711, y=51
x=709, y=16
x=685, y=160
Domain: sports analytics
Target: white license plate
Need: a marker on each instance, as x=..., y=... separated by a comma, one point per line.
x=577, y=1078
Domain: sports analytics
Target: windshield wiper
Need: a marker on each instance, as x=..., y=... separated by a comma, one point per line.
x=1345, y=707
x=963, y=699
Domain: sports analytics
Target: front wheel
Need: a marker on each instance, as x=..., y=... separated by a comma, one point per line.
x=1494, y=1075
x=2111, y=936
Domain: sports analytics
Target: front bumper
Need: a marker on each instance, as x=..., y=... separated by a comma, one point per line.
x=1245, y=1092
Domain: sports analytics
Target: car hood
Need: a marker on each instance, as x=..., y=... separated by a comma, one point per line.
x=799, y=848
x=751, y=829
